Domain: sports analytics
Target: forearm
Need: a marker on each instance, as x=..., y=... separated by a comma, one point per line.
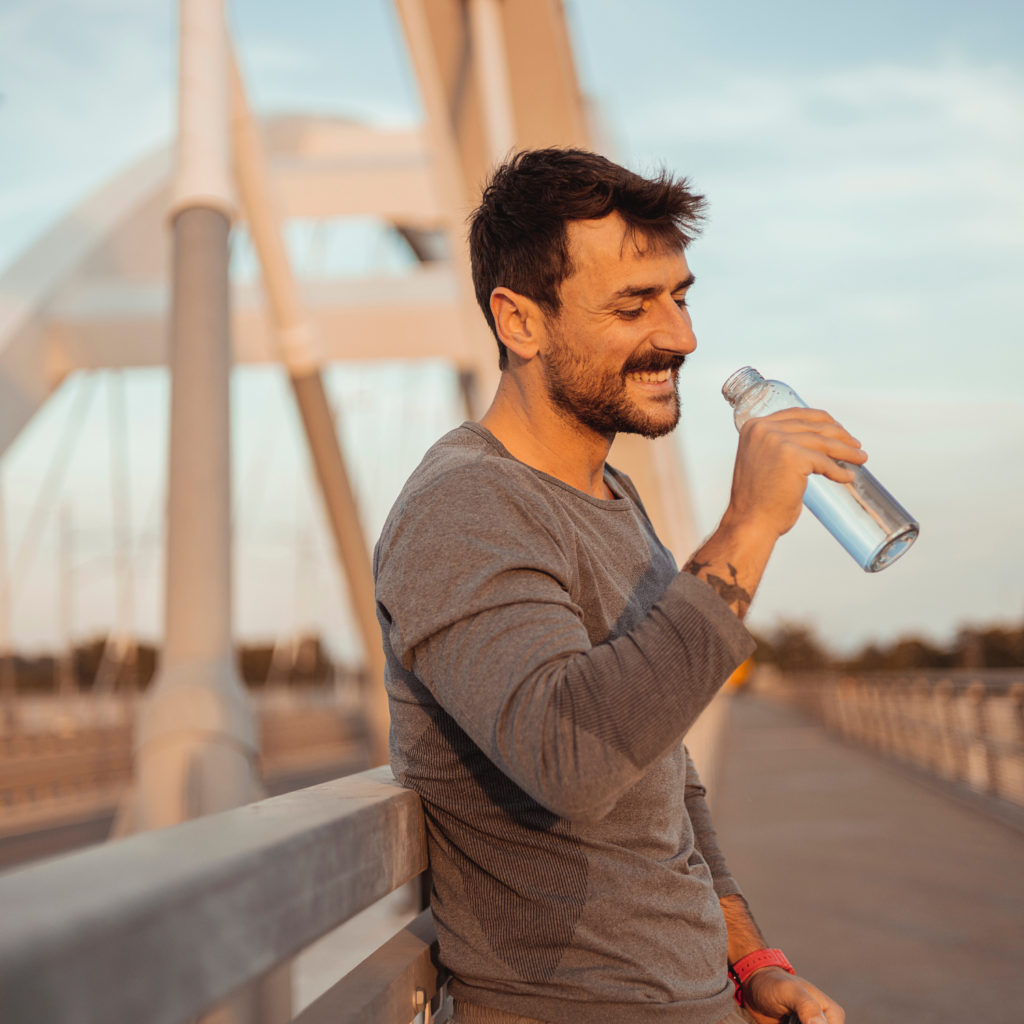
x=744, y=935
x=771, y=992
x=733, y=560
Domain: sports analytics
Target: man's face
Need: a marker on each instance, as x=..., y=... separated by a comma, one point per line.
x=614, y=353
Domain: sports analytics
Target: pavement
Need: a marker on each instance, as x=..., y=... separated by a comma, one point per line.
x=903, y=904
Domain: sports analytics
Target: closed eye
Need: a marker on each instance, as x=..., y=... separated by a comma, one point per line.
x=630, y=314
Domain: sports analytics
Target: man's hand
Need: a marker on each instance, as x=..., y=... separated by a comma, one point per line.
x=770, y=995
x=775, y=457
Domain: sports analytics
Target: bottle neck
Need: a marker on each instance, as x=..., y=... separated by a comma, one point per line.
x=740, y=384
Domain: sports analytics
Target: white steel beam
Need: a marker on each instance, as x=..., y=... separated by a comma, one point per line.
x=455, y=197
x=300, y=343
x=490, y=61
x=413, y=316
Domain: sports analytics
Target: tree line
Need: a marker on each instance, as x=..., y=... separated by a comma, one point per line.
x=796, y=647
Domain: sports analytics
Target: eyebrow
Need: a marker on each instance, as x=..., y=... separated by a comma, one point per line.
x=638, y=292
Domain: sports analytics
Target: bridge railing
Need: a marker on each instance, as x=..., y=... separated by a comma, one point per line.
x=164, y=926
x=973, y=733
x=66, y=758
x=963, y=727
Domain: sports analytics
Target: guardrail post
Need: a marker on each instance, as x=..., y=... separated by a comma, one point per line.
x=902, y=726
x=829, y=702
x=1015, y=694
x=854, y=716
x=952, y=763
x=1012, y=781
x=884, y=737
x=921, y=712
x=981, y=744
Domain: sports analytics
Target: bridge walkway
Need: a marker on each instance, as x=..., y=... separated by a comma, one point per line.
x=902, y=903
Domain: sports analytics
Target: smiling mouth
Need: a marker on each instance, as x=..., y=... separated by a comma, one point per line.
x=650, y=377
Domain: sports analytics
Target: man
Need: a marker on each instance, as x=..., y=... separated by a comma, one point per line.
x=545, y=658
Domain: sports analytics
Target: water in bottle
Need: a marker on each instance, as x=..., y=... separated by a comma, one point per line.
x=863, y=516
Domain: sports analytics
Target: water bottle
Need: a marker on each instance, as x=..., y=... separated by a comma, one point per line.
x=863, y=516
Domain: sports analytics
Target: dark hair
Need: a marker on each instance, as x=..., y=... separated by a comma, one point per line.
x=518, y=236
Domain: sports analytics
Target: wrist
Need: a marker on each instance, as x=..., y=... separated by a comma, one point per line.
x=761, y=963
x=746, y=531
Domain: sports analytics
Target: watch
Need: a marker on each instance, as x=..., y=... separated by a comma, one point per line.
x=746, y=965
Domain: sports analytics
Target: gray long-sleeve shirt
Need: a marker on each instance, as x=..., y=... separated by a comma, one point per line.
x=544, y=661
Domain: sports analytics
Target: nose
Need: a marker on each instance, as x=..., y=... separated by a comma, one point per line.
x=673, y=330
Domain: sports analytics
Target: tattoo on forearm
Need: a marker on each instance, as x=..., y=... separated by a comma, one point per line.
x=693, y=567
x=731, y=593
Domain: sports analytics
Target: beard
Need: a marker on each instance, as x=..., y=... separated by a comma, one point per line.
x=600, y=401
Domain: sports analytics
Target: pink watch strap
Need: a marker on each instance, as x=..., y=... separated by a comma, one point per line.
x=745, y=967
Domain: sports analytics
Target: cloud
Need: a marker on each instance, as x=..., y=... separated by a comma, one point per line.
x=941, y=146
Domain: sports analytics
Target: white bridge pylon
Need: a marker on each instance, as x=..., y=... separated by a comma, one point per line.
x=95, y=291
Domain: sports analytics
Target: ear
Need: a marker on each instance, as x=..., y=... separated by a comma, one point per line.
x=517, y=320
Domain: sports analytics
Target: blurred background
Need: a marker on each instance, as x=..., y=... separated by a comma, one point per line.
x=865, y=244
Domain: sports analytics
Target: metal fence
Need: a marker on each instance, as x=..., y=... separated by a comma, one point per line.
x=966, y=730
x=66, y=759
x=161, y=927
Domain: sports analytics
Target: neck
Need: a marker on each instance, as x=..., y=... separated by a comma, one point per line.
x=524, y=420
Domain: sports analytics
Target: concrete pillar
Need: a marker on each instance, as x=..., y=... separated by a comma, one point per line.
x=196, y=739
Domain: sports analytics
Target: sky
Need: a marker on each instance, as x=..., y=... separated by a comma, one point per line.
x=865, y=243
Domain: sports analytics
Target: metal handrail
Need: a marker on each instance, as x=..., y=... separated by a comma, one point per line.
x=162, y=926
x=971, y=734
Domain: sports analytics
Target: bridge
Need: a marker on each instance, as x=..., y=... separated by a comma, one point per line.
x=215, y=904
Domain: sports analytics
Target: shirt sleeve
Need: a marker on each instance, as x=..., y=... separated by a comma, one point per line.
x=704, y=836
x=475, y=597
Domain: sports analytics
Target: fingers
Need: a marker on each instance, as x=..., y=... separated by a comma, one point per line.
x=800, y=413
x=819, y=436
x=830, y=1011
x=833, y=448
x=803, y=421
x=822, y=465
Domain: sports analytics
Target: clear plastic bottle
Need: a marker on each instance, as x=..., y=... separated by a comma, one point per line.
x=863, y=516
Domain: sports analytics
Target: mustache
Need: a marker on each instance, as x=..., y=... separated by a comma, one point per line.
x=653, y=362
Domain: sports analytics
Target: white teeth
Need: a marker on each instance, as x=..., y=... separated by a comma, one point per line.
x=651, y=378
